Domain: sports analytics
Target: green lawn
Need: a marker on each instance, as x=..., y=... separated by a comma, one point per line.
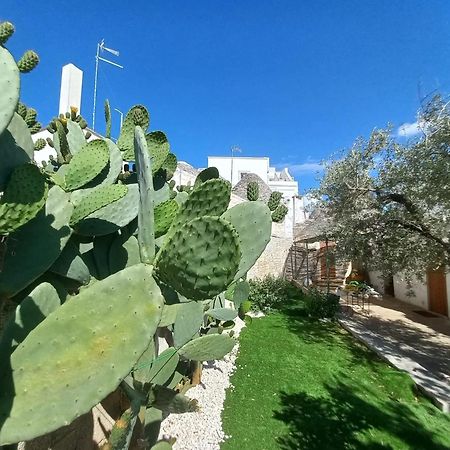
x=310, y=385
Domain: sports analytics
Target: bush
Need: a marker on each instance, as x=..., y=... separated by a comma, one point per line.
x=320, y=305
x=270, y=292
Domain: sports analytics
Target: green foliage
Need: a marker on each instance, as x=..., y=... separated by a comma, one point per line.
x=388, y=202
x=320, y=305
x=270, y=293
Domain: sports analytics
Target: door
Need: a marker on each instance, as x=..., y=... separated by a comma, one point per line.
x=437, y=291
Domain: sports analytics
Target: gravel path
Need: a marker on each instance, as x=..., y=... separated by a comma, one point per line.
x=203, y=430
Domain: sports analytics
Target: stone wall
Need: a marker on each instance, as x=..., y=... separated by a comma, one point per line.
x=273, y=259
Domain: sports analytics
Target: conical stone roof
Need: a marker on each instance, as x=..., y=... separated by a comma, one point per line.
x=241, y=188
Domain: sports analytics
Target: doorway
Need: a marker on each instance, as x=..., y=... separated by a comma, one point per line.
x=437, y=291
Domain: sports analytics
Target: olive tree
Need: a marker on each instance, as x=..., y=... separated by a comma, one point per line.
x=390, y=202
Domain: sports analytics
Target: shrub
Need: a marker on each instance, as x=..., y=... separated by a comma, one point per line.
x=320, y=305
x=270, y=292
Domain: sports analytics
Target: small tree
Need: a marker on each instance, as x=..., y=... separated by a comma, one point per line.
x=390, y=203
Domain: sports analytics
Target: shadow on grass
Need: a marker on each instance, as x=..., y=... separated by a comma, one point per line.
x=328, y=333
x=349, y=418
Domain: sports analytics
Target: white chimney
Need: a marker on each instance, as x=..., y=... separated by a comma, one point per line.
x=71, y=82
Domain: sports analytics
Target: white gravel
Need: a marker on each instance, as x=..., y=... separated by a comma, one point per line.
x=202, y=430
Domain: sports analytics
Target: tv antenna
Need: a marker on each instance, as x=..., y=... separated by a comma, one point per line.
x=100, y=49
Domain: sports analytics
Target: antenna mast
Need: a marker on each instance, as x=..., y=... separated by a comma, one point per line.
x=100, y=48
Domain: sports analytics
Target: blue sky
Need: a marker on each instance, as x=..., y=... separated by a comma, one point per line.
x=293, y=80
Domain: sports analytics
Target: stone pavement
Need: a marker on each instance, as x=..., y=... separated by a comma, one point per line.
x=411, y=342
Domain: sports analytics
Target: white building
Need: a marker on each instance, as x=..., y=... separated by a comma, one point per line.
x=234, y=169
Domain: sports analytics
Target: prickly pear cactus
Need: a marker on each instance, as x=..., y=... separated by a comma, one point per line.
x=252, y=191
x=274, y=200
x=280, y=213
x=113, y=261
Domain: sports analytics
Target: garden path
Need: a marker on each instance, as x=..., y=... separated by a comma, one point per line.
x=412, y=342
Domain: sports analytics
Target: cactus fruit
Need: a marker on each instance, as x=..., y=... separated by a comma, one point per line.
x=39, y=144
x=76, y=363
x=201, y=258
x=97, y=199
x=280, y=213
x=274, y=200
x=86, y=164
x=252, y=191
x=6, y=31
x=23, y=198
x=28, y=62
x=9, y=87
x=253, y=224
x=208, y=347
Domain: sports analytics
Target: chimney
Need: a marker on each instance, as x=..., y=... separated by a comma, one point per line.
x=71, y=82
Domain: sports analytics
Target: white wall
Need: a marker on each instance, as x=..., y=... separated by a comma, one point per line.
x=376, y=280
x=420, y=289
x=258, y=166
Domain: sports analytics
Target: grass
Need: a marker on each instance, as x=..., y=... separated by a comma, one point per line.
x=309, y=385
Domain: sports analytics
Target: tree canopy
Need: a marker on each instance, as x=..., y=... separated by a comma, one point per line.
x=390, y=201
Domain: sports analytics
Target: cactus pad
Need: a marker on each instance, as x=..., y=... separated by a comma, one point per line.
x=163, y=367
x=252, y=191
x=211, y=198
x=97, y=199
x=137, y=115
x=39, y=144
x=75, y=137
x=86, y=164
x=6, y=31
x=158, y=147
x=79, y=354
x=28, y=62
x=36, y=255
x=9, y=87
x=280, y=213
x=206, y=174
x=188, y=321
x=24, y=197
x=111, y=217
x=253, y=224
x=208, y=347
x=201, y=258
x=42, y=301
x=274, y=200
x=165, y=213
x=170, y=165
